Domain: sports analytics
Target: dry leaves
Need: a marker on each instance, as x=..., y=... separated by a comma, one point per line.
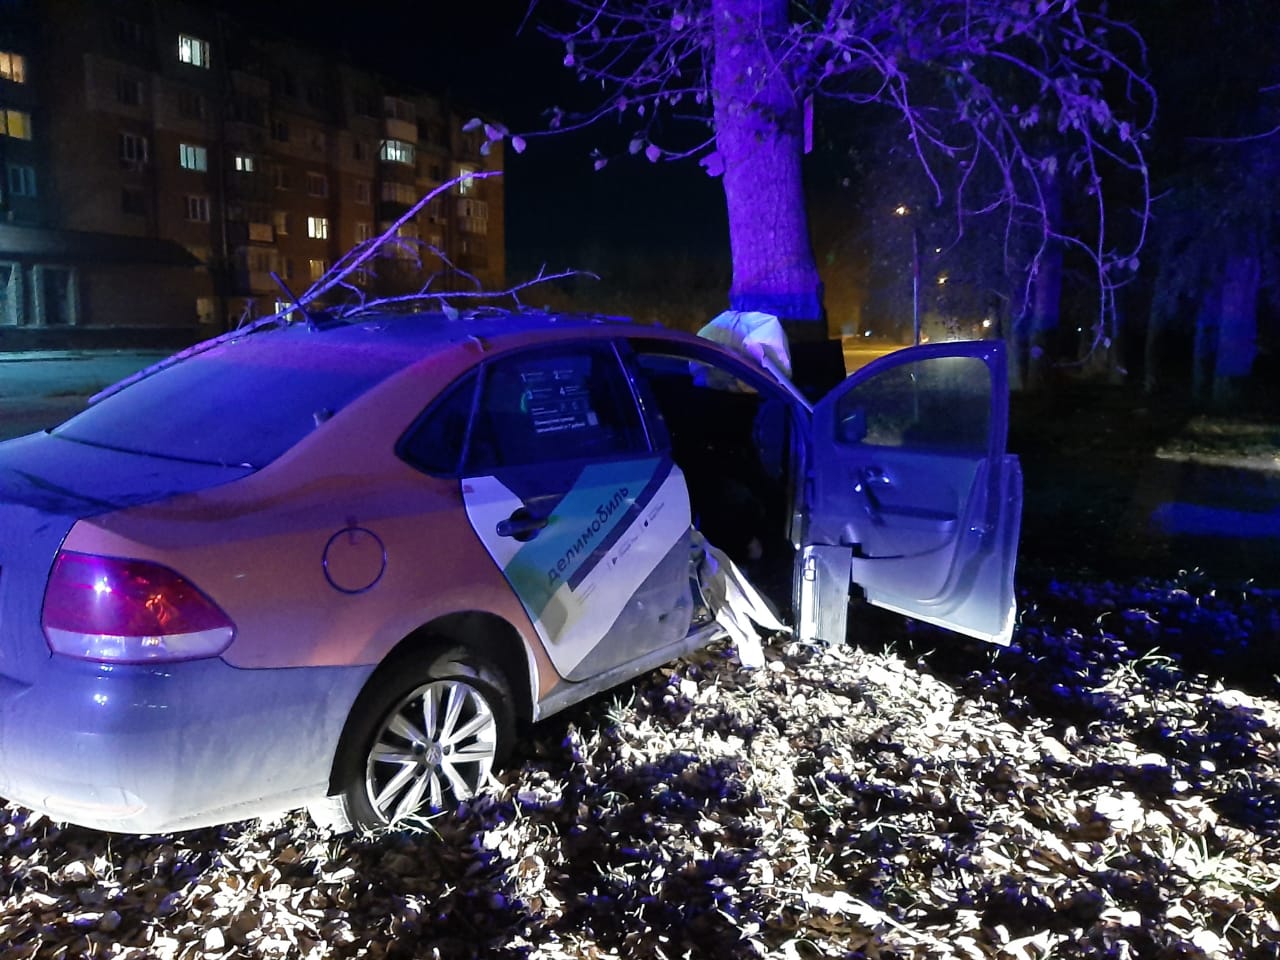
x=1067, y=797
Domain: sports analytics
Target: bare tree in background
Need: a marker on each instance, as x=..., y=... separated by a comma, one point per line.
x=1006, y=106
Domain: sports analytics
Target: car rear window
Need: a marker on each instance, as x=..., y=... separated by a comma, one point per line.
x=244, y=402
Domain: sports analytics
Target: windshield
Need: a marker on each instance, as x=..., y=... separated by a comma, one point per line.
x=242, y=403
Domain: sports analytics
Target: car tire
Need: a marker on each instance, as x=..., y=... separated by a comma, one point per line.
x=423, y=735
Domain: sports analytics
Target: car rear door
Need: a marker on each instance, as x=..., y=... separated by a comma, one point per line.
x=589, y=525
x=911, y=495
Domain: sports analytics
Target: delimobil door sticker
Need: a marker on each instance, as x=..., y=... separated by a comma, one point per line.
x=602, y=540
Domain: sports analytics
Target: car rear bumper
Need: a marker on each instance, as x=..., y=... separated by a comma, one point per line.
x=150, y=749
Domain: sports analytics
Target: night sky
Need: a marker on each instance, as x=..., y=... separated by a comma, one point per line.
x=557, y=206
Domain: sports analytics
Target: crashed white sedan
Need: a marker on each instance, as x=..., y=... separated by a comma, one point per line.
x=335, y=565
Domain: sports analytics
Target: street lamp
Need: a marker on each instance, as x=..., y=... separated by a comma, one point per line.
x=902, y=210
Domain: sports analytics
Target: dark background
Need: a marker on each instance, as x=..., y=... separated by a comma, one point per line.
x=559, y=210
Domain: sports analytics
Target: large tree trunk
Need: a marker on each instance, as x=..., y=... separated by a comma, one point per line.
x=1046, y=303
x=759, y=136
x=1204, y=352
x=1237, y=329
x=1159, y=321
x=1046, y=295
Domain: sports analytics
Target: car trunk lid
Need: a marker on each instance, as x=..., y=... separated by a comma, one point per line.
x=47, y=484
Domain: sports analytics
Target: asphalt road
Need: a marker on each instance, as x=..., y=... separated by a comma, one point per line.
x=41, y=389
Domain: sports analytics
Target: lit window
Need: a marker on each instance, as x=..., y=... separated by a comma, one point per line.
x=13, y=67
x=466, y=180
x=192, y=157
x=281, y=221
x=22, y=180
x=363, y=192
x=198, y=208
x=16, y=124
x=318, y=228
x=317, y=268
x=317, y=185
x=364, y=232
x=244, y=163
x=206, y=310
x=193, y=50
x=396, y=151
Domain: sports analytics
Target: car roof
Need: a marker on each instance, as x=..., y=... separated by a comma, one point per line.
x=426, y=332
x=386, y=341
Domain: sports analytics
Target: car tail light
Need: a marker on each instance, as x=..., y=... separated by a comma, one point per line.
x=129, y=611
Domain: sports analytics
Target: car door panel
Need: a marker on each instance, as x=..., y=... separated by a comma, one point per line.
x=908, y=469
x=596, y=547
x=975, y=597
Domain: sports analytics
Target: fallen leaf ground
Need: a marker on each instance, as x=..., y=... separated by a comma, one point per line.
x=1107, y=786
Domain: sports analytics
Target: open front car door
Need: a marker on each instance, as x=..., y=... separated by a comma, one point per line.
x=911, y=495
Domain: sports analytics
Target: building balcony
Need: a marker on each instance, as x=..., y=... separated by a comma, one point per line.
x=391, y=210
x=244, y=82
x=239, y=133
x=404, y=130
x=252, y=283
x=240, y=233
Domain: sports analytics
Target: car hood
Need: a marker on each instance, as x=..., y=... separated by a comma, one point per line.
x=46, y=485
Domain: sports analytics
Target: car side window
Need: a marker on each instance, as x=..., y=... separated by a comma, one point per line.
x=941, y=404
x=554, y=404
x=435, y=443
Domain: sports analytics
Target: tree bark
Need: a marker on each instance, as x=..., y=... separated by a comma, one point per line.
x=1159, y=320
x=1204, y=352
x=1046, y=295
x=759, y=136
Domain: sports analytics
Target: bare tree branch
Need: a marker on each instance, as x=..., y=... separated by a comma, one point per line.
x=342, y=274
x=1022, y=90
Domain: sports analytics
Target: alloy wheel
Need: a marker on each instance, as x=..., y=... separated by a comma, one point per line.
x=440, y=742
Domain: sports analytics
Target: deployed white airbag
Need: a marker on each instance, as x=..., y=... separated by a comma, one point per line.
x=758, y=335
x=736, y=605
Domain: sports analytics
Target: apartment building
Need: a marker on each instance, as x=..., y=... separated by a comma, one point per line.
x=168, y=168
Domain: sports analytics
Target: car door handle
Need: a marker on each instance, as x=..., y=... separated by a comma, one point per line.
x=522, y=525
x=868, y=476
